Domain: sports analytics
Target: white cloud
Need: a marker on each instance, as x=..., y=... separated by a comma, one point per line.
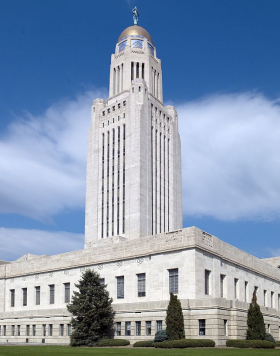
x=43, y=159
x=230, y=157
x=17, y=242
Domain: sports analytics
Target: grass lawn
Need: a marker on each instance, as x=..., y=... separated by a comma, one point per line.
x=63, y=350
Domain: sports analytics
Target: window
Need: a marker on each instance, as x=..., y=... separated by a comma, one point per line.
x=138, y=328
x=120, y=287
x=66, y=292
x=235, y=288
x=102, y=281
x=52, y=289
x=148, y=328
x=18, y=330
x=50, y=329
x=13, y=330
x=118, y=328
x=27, y=330
x=173, y=281
x=61, y=329
x=279, y=303
x=12, y=294
x=256, y=289
x=272, y=299
x=24, y=296
x=222, y=278
x=4, y=330
x=141, y=284
x=246, y=291
x=201, y=326
x=159, y=325
x=37, y=295
x=69, y=330
x=207, y=282
x=264, y=297
x=127, y=328
x=225, y=327
x=34, y=330
x=44, y=330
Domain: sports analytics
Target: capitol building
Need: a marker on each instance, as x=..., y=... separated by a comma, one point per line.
x=133, y=230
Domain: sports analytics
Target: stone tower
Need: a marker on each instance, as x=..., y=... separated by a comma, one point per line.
x=134, y=151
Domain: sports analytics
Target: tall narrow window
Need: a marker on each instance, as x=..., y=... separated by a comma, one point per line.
x=279, y=304
x=66, y=292
x=113, y=183
x=102, y=186
x=201, y=327
x=272, y=299
x=173, y=281
x=127, y=328
x=160, y=197
x=37, y=295
x=148, y=328
x=27, y=330
x=236, y=288
x=4, y=330
x=44, y=329
x=102, y=281
x=18, y=330
x=225, y=327
x=152, y=173
x=12, y=295
x=222, y=278
x=123, y=179
x=120, y=287
x=118, y=185
x=52, y=289
x=108, y=168
x=207, y=282
x=118, y=328
x=159, y=325
x=61, y=330
x=156, y=177
x=246, y=291
x=137, y=70
x=50, y=329
x=168, y=178
x=69, y=330
x=12, y=330
x=141, y=284
x=164, y=187
x=143, y=70
x=264, y=297
x=138, y=328
x=24, y=296
x=33, y=330
x=132, y=71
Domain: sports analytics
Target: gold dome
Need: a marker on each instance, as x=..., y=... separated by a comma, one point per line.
x=135, y=31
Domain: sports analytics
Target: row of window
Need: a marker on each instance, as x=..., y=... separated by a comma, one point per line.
x=148, y=328
x=113, y=108
x=236, y=290
x=38, y=295
x=113, y=120
x=33, y=330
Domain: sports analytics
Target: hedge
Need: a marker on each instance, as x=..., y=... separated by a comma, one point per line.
x=277, y=343
x=144, y=343
x=113, y=342
x=254, y=344
x=185, y=343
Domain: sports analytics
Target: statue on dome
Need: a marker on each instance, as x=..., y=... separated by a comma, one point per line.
x=135, y=15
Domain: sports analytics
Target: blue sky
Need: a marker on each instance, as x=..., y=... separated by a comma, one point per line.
x=220, y=63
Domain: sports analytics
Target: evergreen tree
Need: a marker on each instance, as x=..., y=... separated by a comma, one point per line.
x=255, y=323
x=92, y=311
x=174, y=319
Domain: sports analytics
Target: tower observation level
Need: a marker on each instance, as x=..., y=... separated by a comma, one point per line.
x=134, y=152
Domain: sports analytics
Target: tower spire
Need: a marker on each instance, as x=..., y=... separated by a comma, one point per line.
x=135, y=15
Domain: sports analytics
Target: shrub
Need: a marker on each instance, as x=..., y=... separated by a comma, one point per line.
x=269, y=337
x=175, y=329
x=144, y=343
x=277, y=343
x=185, y=343
x=113, y=342
x=160, y=336
x=254, y=344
